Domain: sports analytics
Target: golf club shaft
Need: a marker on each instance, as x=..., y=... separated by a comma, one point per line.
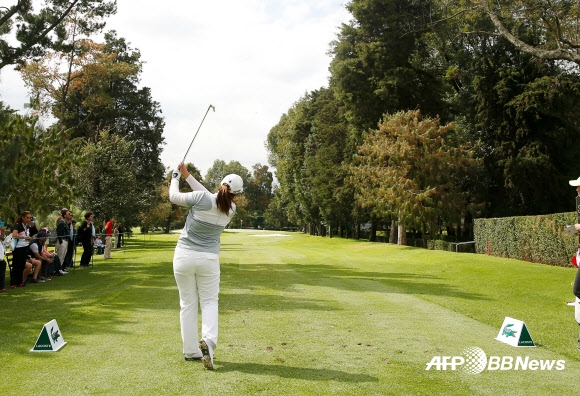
x=201, y=123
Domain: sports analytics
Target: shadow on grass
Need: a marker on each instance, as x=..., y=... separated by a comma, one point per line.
x=309, y=374
x=284, y=276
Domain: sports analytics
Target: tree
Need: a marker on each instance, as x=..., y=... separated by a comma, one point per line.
x=411, y=169
x=35, y=32
x=286, y=146
x=377, y=64
x=258, y=194
x=276, y=216
x=519, y=109
x=100, y=93
x=34, y=176
x=106, y=183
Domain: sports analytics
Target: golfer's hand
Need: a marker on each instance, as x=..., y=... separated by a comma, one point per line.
x=577, y=226
x=183, y=169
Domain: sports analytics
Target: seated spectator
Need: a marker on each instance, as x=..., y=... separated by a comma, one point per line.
x=99, y=245
x=54, y=266
x=37, y=252
x=32, y=263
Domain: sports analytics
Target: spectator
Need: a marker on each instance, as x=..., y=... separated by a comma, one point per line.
x=55, y=267
x=116, y=236
x=37, y=252
x=19, y=255
x=35, y=264
x=64, y=241
x=32, y=230
x=99, y=245
x=109, y=237
x=121, y=239
x=2, y=262
x=86, y=234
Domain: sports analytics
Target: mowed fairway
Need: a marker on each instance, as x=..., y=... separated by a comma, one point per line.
x=298, y=315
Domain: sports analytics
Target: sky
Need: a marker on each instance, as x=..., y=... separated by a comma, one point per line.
x=250, y=59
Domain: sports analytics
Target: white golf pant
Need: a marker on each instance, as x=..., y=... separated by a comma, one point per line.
x=198, y=278
x=577, y=310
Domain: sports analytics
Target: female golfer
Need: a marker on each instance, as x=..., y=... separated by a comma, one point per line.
x=196, y=263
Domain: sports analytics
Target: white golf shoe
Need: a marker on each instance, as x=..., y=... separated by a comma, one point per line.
x=207, y=352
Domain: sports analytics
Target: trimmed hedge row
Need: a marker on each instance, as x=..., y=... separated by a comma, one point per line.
x=539, y=239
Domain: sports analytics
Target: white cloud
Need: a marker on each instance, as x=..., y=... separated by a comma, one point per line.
x=252, y=59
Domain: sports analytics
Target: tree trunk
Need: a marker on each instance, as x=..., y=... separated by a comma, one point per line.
x=393, y=234
x=373, y=234
x=402, y=237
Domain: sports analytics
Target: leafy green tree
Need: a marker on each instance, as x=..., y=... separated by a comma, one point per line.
x=258, y=193
x=377, y=64
x=520, y=109
x=409, y=168
x=99, y=93
x=35, y=32
x=276, y=215
x=106, y=182
x=34, y=176
x=286, y=145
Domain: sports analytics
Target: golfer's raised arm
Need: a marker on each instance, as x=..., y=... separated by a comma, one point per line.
x=177, y=197
x=193, y=183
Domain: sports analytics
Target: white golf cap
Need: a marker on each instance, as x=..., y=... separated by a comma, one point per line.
x=575, y=183
x=235, y=183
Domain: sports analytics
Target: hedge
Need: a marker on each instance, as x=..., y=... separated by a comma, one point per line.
x=539, y=239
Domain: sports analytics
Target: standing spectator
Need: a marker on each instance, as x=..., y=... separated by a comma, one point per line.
x=109, y=237
x=121, y=240
x=63, y=243
x=86, y=234
x=2, y=262
x=116, y=236
x=19, y=255
x=32, y=230
x=72, y=245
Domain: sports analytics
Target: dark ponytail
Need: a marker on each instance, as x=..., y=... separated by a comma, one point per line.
x=224, y=199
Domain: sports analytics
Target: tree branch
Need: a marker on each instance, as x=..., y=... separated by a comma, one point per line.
x=524, y=47
x=11, y=11
x=22, y=50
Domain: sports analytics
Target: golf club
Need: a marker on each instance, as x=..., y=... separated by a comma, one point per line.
x=210, y=107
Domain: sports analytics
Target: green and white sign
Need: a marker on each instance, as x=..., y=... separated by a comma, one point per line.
x=515, y=333
x=50, y=338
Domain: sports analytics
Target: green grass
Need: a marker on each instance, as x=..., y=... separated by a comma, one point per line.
x=298, y=315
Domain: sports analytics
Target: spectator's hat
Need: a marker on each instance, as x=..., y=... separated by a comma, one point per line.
x=575, y=183
x=41, y=234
